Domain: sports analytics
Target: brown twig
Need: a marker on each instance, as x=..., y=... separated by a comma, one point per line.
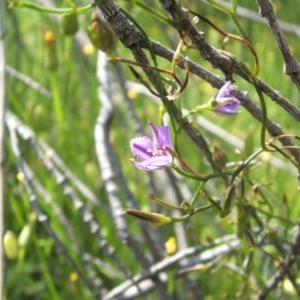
x=252, y=108
x=133, y=39
x=291, y=67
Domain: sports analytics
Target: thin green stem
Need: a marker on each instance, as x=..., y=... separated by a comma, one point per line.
x=70, y=3
x=244, y=164
x=153, y=11
x=202, y=208
x=264, y=113
x=196, y=194
x=193, y=212
x=52, y=10
x=186, y=174
x=231, y=13
x=198, y=177
x=144, y=34
x=57, y=103
x=210, y=200
x=68, y=46
x=163, y=203
x=46, y=274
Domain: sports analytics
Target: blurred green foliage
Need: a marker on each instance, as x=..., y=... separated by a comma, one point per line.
x=40, y=271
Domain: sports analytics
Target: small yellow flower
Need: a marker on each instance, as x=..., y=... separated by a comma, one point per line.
x=266, y=156
x=74, y=277
x=20, y=177
x=88, y=49
x=132, y=93
x=49, y=37
x=171, y=245
x=49, y=154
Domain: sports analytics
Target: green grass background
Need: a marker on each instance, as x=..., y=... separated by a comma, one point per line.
x=40, y=272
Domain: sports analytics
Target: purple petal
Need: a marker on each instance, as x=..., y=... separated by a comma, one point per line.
x=154, y=163
x=141, y=147
x=225, y=90
x=161, y=136
x=151, y=154
x=227, y=108
x=164, y=137
x=154, y=132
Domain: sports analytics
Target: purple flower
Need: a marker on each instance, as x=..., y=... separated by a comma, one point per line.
x=152, y=154
x=225, y=104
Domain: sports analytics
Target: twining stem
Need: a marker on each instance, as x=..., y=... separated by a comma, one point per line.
x=231, y=13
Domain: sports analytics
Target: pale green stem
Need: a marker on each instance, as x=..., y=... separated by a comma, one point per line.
x=53, y=293
x=198, y=177
x=53, y=10
x=163, y=203
x=57, y=103
x=68, y=62
x=196, y=194
x=193, y=212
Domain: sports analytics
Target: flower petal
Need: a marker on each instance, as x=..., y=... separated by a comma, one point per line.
x=151, y=154
x=154, y=163
x=225, y=90
x=164, y=137
x=155, y=137
x=229, y=108
x=141, y=147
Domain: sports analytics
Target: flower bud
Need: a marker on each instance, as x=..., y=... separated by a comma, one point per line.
x=10, y=245
x=154, y=218
x=185, y=205
x=69, y=24
x=24, y=235
x=52, y=61
x=101, y=34
x=219, y=157
x=33, y=218
x=225, y=104
x=26, y=231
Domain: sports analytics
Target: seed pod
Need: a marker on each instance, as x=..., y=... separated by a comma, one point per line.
x=101, y=34
x=154, y=218
x=219, y=157
x=69, y=24
x=227, y=201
